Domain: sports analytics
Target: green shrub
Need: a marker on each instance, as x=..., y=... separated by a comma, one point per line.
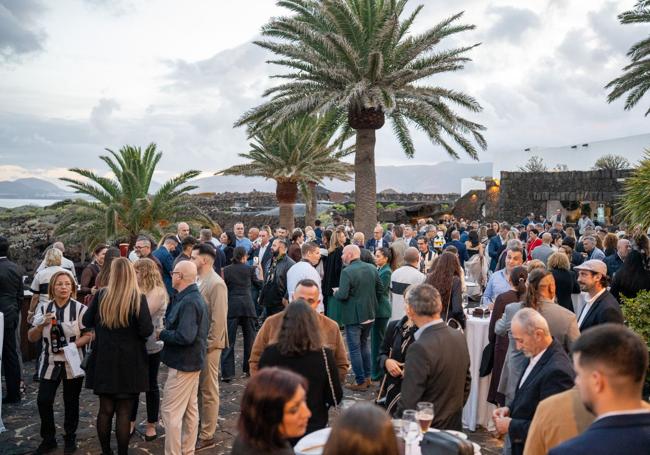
x=636, y=312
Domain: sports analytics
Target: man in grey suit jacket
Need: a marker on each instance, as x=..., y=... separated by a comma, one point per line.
x=437, y=363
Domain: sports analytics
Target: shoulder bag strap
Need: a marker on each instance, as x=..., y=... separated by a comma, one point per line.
x=329, y=378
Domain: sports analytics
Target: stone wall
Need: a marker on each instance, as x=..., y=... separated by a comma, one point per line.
x=523, y=192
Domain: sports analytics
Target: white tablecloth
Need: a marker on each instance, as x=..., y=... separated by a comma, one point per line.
x=477, y=410
x=2, y=331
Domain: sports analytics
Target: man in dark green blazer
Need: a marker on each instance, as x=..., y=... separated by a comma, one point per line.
x=359, y=292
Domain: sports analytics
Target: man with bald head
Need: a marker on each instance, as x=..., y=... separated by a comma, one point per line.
x=358, y=294
x=401, y=279
x=182, y=231
x=185, y=335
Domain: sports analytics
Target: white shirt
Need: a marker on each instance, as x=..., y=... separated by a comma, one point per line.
x=531, y=365
x=588, y=306
x=300, y=271
x=262, y=251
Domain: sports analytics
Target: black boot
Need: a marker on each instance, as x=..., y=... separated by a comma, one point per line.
x=46, y=447
x=70, y=446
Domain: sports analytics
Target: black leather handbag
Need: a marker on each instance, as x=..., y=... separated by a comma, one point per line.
x=443, y=443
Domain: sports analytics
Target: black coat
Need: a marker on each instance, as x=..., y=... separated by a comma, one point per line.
x=11, y=291
x=604, y=309
x=565, y=285
x=333, y=267
x=552, y=374
x=312, y=367
x=396, y=342
x=119, y=363
x=240, y=278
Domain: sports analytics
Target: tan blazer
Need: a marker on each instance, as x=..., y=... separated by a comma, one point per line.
x=215, y=293
x=330, y=334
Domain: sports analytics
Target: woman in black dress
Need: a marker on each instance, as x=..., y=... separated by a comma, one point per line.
x=398, y=338
x=240, y=278
x=300, y=349
x=118, y=369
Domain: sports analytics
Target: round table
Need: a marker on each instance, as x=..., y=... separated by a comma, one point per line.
x=477, y=410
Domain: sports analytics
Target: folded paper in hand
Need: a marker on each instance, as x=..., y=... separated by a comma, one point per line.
x=72, y=357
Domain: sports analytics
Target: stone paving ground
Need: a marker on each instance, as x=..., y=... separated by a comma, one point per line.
x=23, y=423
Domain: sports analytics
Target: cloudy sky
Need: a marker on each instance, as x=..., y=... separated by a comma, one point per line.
x=77, y=76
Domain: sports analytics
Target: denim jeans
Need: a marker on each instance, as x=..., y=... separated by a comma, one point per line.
x=357, y=337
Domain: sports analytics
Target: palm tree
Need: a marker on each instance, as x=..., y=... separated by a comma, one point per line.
x=635, y=203
x=636, y=77
x=122, y=206
x=357, y=58
x=298, y=152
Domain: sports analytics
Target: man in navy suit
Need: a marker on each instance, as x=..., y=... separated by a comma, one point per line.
x=611, y=363
x=497, y=245
x=547, y=372
x=601, y=306
x=460, y=246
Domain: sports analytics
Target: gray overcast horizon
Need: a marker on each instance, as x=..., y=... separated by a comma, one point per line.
x=77, y=76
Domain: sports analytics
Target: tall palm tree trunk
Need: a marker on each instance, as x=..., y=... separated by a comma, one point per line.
x=286, y=193
x=365, y=183
x=310, y=204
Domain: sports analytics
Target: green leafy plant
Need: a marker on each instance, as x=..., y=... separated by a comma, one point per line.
x=359, y=59
x=635, y=80
x=122, y=206
x=635, y=202
x=300, y=151
x=636, y=312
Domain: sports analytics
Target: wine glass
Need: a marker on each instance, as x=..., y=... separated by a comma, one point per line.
x=410, y=429
x=424, y=415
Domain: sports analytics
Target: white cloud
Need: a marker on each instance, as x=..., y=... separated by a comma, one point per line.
x=180, y=74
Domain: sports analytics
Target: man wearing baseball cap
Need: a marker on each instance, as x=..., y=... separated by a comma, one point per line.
x=601, y=305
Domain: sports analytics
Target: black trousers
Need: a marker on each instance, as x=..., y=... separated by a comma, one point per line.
x=153, y=395
x=45, y=401
x=10, y=363
x=228, y=356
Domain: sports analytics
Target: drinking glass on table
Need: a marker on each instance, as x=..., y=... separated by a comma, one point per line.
x=410, y=428
x=424, y=415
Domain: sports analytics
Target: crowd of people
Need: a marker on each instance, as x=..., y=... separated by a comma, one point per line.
x=316, y=304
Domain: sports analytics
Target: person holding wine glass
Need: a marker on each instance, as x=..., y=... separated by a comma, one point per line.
x=57, y=324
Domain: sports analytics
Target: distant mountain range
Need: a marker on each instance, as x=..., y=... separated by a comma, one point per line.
x=32, y=188
x=435, y=178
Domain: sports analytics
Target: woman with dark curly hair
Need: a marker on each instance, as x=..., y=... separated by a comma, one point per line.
x=229, y=246
x=446, y=278
x=273, y=410
x=632, y=277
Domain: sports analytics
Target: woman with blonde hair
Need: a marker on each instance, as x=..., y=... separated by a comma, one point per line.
x=117, y=370
x=565, y=279
x=152, y=286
